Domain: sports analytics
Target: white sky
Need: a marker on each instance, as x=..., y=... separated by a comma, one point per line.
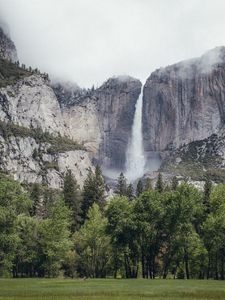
x=87, y=41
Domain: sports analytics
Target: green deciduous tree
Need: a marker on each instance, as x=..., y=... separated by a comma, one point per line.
x=148, y=217
x=54, y=240
x=26, y=258
x=214, y=233
x=14, y=201
x=122, y=231
x=92, y=245
x=183, y=212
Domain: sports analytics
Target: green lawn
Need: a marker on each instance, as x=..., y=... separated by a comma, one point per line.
x=121, y=289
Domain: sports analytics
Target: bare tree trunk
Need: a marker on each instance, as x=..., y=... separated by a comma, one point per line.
x=186, y=265
x=209, y=266
x=143, y=263
x=222, y=268
x=216, y=264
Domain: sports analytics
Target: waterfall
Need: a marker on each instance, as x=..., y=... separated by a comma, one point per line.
x=135, y=159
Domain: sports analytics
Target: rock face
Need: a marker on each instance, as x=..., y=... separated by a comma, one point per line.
x=7, y=47
x=102, y=119
x=83, y=125
x=31, y=102
x=116, y=101
x=184, y=102
x=29, y=161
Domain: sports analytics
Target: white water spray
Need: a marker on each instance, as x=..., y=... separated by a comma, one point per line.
x=135, y=159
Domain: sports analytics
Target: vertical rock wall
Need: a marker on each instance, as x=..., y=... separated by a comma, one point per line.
x=184, y=102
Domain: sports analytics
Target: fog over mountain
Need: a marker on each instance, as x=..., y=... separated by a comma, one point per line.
x=87, y=41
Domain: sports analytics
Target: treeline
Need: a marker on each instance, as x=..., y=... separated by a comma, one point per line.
x=170, y=230
x=30, y=69
x=11, y=72
x=37, y=224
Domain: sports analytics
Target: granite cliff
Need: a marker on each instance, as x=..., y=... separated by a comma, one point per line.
x=102, y=118
x=184, y=102
x=184, y=106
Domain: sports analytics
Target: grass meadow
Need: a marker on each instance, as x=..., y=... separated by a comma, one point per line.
x=110, y=289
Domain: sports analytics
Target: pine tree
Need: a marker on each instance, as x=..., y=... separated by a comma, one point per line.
x=167, y=188
x=36, y=198
x=174, y=183
x=99, y=184
x=93, y=190
x=121, y=187
x=130, y=192
x=159, y=184
x=43, y=198
x=207, y=192
x=87, y=193
x=49, y=198
x=139, y=189
x=148, y=184
x=72, y=198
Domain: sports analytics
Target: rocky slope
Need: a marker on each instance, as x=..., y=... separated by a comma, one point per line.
x=198, y=159
x=18, y=158
x=184, y=102
x=32, y=155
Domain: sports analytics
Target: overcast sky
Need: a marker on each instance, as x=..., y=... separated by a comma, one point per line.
x=87, y=41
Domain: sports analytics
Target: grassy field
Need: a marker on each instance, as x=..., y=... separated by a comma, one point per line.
x=62, y=289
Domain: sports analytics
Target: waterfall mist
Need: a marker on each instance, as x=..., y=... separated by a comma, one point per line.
x=135, y=158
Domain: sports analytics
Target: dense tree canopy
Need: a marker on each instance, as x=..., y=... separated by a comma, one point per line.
x=92, y=245
x=14, y=202
x=175, y=231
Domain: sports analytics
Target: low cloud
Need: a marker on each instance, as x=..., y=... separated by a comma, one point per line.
x=87, y=41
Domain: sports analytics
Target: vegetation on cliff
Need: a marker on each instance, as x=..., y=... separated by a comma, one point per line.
x=198, y=160
x=57, y=143
x=11, y=72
